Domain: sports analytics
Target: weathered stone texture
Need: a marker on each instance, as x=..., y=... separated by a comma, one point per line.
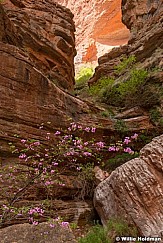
x=42, y=233
x=28, y=98
x=134, y=191
x=44, y=30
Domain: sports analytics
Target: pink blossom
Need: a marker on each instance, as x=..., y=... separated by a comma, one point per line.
x=87, y=154
x=54, y=163
x=87, y=129
x=22, y=156
x=128, y=150
x=66, y=137
x=86, y=143
x=127, y=140
x=78, y=168
x=112, y=148
x=57, y=133
x=100, y=144
x=36, y=143
x=65, y=224
x=35, y=223
x=47, y=183
x=74, y=126
x=134, y=136
x=23, y=140
x=93, y=129
x=78, y=141
x=61, y=184
x=52, y=225
x=80, y=146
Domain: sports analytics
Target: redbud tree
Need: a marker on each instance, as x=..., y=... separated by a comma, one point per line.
x=71, y=149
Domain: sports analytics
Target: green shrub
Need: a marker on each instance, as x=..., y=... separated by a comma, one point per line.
x=103, y=83
x=154, y=115
x=98, y=234
x=83, y=76
x=131, y=86
x=146, y=96
x=125, y=64
x=120, y=126
x=107, y=113
x=127, y=93
x=115, y=227
x=118, y=160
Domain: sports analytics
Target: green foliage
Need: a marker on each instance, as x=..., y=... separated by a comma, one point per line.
x=120, y=126
x=83, y=76
x=123, y=93
x=114, y=227
x=125, y=64
x=161, y=122
x=99, y=87
x=118, y=160
x=108, y=113
x=130, y=92
x=73, y=225
x=131, y=86
x=97, y=234
x=155, y=115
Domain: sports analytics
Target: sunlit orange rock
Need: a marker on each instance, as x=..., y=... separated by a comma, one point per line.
x=97, y=22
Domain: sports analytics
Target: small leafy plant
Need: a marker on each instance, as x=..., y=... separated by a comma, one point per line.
x=125, y=64
x=83, y=76
x=114, y=228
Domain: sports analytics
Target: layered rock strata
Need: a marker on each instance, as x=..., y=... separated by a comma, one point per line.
x=98, y=27
x=134, y=191
x=45, y=31
x=145, y=21
x=28, y=98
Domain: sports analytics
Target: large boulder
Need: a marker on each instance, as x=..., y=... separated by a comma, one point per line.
x=134, y=191
x=41, y=233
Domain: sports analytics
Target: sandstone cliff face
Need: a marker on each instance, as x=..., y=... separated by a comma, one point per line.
x=145, y=21
x=27, y=100
x=98, y=26
x=134, y=191
x=45, y=31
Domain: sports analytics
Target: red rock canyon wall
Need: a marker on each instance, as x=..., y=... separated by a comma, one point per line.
x=98, y=26
x=45, y=31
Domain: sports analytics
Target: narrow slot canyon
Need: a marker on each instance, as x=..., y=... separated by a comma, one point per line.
x=99, y=27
